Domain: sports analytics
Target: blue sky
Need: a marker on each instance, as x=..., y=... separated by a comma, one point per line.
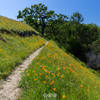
x=88, y=8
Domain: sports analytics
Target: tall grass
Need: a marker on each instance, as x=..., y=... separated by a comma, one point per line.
x=15, y=49
x=56, y=72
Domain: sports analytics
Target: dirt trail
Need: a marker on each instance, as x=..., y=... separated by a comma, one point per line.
x=9, y=89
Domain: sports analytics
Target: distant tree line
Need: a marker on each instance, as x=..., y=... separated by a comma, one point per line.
x=69, y=32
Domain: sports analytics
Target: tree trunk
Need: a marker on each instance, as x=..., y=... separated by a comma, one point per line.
x=96, y=58
x=43, y=27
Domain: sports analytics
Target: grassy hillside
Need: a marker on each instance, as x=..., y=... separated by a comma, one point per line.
x=14, y=49
x=12, y=26
x=54, y=71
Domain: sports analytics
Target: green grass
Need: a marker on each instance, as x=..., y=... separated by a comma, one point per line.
x=12, y=26
x=55, y=71
x=15, y=49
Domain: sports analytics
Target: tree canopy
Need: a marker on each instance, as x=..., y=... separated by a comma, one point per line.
x=36, y=15
x=69, y=32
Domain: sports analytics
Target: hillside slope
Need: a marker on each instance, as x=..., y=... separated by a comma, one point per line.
x=55, y=71
x=14, y=48
x=12, y=26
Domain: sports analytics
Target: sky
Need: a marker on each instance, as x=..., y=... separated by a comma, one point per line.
x=90, y=9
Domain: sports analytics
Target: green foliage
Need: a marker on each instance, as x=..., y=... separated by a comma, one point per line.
x=95, y=47
x=36, y=15
x=69, y=32
x=76, y=18
x=74, y=36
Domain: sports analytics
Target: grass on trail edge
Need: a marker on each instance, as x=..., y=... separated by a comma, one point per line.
x=15, y=50
x=56, y=72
